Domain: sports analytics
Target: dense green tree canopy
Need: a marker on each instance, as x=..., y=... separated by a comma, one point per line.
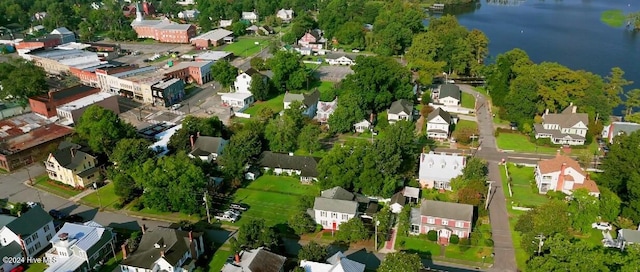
x=353, y=231
x=129, y=153
x=288, y=71
x=260, y=87
x=621, y=173
x=192, y=126
x=313, y=252
x=255, y=233
x=401, y=262
x=224, y=73
x=101, y=129
x=21, y=79
x=548, y=219
x=244, y=147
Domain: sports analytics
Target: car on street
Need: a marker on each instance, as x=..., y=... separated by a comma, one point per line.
x=601, y=226
x=32, y=204
x=57, y=214
x=176, y=106
x=74, y=218
x=239, y=206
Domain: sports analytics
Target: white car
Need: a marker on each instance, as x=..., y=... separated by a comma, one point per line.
x=31, y=204
x=176, y=106
x=226, y=217
x=601, y=226
x=233, y=213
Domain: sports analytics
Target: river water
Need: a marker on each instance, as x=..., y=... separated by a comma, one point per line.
x=565, y=31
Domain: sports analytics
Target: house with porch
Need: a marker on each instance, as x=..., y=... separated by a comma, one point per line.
x=306, y=167
x=566, y=128
x=448, y=95
x=400, y=110
x=363, y=126
x=80, y=247
x=437, y=169
x=439, y=124
x=309, y=102
x=72, y=166
x=446, y=218
x=563, y=174
x=325, y=109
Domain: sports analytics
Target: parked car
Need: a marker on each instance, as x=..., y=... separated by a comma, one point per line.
x=233, y=212
x=226, y=217
x=57, y=214
x=74, y=218
x=601, y=226
x=32, y=204
x=239, y=206
x=176, y=106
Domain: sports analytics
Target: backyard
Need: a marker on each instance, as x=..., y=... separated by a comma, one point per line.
x=246, y=47
x=276, y=104
x=455, y=253
x=44, y=183
x=468, y=101
x=517, y=142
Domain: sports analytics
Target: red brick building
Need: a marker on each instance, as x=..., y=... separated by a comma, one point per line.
x=214, y=37
x=191, y=71
x=162, y=30
x=46, y=104
x=48, y=41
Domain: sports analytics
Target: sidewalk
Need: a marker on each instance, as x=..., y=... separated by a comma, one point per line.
x=79, y=196
x=389, y=246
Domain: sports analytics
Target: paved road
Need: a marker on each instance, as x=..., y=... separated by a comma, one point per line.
x=505, y=258
x=13, y=189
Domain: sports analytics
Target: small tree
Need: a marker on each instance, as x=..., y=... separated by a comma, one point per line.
x=432, y=235
x=401, y=262
x=313, y=252
x=302, y=223
x=454, y=239
x=353, y=231
x=260, y=87
x=258, y=64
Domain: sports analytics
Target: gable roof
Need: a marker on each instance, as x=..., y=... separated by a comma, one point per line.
x=214, y=35
x=342, y=263
x=83, y=236
x=10, y=250
x=401, y=105
x=439, y=112
x=285, y=12
x=174, y=243
x=449, y=90
x=398, y=198
x=555, y=165
x=412, y=192
x=448, y=210
x=246, y=14
x=327, y=107
x=335, y=205
x=62, y=31
x=69, y=156
x=307, y=99
x=30, y=221
x=337, y=193
x=623, y=127
x=629, y=235
x=6, y=219
x=567, y=118
x=307, y=165
x=256, y=260
x=206, y=145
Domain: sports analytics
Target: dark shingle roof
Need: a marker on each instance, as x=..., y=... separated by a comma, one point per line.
x=401, y=105
x=265, y=261
x=174, y=243
x=398, y=198
x=337, y=193
x=450, y=90
x=307, y=99
x=440, y=112
x=68, y=155
x=251, y=72
x=206, y=145
x=30, y=222
x=447, y=210
x=10, y=250
x=307, y=165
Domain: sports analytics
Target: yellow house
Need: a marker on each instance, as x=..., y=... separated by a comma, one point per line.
x=72, y=166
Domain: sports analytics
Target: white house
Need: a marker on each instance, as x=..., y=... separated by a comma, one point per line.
x=325, y=109
x=164, y=249
x=255, y=260
x=439, y=124
x=400, y=110
x=336, y=263
x=207, y=148
x=226, y=23
x=437, y=169
x=335, y=59
x=286, y=15
x=251, y=16
x=627, y=237
x=334, y=207
x=32, y=230
x=448, y=95
x=189, y=14
x=288, y=164
x=240, y=95
x=185, y=2
x=618, y=128
x=309, y=102
x=362, y=126
x=566, y=128
x=80, y=247
x=563, y=174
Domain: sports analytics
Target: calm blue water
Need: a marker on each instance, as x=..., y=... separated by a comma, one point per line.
x=565, y=31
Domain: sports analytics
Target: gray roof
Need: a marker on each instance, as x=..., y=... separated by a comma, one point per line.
x=337, y=56
x=337, y=193
x=440, y=112
x=6, y=219
x=624, y=128
x=307, y=99
x=257, y=260
x=398, y=198
x=335, y=205
x=632, y=236
x=88, y=238
x=342, y=263
x=401, y=105
x=413, y=192
x=447, y=210
x=69, y=156
x=206, y=145
x=174, y=243
x=10, y=250
x=449, y=90
x=567, y=118
x=30, y=222
x=214, y=35
x=307, y=165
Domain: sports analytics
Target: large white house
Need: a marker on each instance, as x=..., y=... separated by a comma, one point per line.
x=439, y=124
x=437, y=169
x=448, y=95
x=240, y=95
x=563, y=174
x=286, y=15
x=80, y=247
x=250, y=16
x=400, y=110
x=566, y=128
x=334, y=207
x=32, y=230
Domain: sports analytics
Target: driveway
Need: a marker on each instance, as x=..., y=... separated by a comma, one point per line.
x=13, y=189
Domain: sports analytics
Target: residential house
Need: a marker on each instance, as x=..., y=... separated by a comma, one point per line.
x=207, y=148
x=448, y=95
x=191, y=14
x=309, y=102
x=565, y=128
x=253, y=29
x=402, y=198
x=80, y=247
x=11, y=250
x=446, y=218
x=313, y=39
x=214, y=38
x=439, y=124
x=363, y=126
x=337, y=59
x=225, y=23
x=241, y=96
x=286, y=15
x=266, y=30
x=256, y=260
x=334, y=207
x=336, y=263
x=30, y=232
x=164, y=249
x=185, y=2
x=437, y=169
x=251, y=16
x=627, y=237
x=563, y=174
x=400, y=110
x=618, y=128
x=66, y=36
x=72, y=166
x=303, y=166
x=325, y=109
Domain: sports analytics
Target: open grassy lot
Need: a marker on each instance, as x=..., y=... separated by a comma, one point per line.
x=466, y=124
x=613, y=17
x=520, y=143
x=521, y=179
x=245, y=47
x=44, y=183
x=469, y=253
x=276, y=104
x=218, y=260
x=104, y=197
x=419, y=245
x=468, y=101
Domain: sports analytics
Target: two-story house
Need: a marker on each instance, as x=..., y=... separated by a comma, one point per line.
x=250, y=16
x=80, y=247
x=446, y=218
x=325, y=110
x=439, y=124
x=30, y=232
x=72, y=166
x=334, y=207
x=305, y=167
x=437, y=169
x=565, y=128
x=309, y=102
x=313, y=40
x=12, y=249
x=563, y=174
x=164, y=249
x=448, y=95
x=400, y=110
x=255, y=260
x=286, y=15
x=207, y=148
x=618, y=128
x=336, y=263
x=240, y=95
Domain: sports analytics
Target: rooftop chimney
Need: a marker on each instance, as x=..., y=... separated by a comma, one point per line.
x=192, y=142
x=237, y=258
x=190, y=236
x=162, y=253
x=124, y=251
x=143, y=228
x=63, y=236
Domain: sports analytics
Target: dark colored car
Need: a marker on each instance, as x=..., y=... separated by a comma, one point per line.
x=57, y=214
x=74, y=218
x=239, y=206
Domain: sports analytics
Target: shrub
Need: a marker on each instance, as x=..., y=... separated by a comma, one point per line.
x=464, y=242
x=488, y=242
x=118, y=205
x=454, y=239
x=432, y=235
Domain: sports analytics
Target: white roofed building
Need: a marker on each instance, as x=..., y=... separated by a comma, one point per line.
x=336, y=263
x=71, y=112
x=80, y=247
x=437, y=169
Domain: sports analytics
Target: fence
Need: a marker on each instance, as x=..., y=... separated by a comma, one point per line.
x=242, y=115
x=506, y=170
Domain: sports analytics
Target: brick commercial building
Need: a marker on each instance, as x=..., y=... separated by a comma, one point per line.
x=162, y=30
x=46, y=104
x=214, y=37
x=191, y=71
x=71, y=112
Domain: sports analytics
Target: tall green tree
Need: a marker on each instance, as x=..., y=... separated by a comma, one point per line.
x=548, y=219
x=282, y=133
x=621, y=173
x=21, y=79
x=633, y=101
x=609, y=204
x=503, y=71
x=243, y=147
x=102, y=129
x=614, y=87
x=224, y=73
x=288, y=71
x=302, y=223
x=570, y=255
x=255, y=233
x=313, y=252
x=349, y=111
x=194, y=126
x=129, y=153
x=353, y=230
x=584, y=210
x=260, y=87
x=308, y=139
x=401, y=262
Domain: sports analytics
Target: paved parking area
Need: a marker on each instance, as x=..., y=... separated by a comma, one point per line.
x=152, y=48
x=333, y=73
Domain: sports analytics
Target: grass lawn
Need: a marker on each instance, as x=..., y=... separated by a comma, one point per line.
x=466, y=124
x=218, y=260
x=521, y=178
x=36, y=267
x=104, y=197
x=613, y=17
x=468, y=101
x=246, y=47
x=276, y=104
x=419, y=245
x=469, y=253
x=273, y=198
x=325, y=86
x=521, y=255
x=520, y=143
x=166, y=216
x=43, y=182
x=112, y=263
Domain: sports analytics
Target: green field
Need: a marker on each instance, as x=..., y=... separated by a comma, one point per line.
x=523, y=194
x=218, y=260
x=276, y=104
x=419, y=245
x=520, y=143
x=44, y=183
x=246, y=47
x=468, y=101
x=613, y=18
x=104, y=197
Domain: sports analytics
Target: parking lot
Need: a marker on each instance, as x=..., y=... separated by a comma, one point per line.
x=333, y=73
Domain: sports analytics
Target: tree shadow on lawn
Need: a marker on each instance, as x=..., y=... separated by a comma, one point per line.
x=368, y=258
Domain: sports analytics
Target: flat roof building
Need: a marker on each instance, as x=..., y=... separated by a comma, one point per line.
x=71, y=112
x=46, y=104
